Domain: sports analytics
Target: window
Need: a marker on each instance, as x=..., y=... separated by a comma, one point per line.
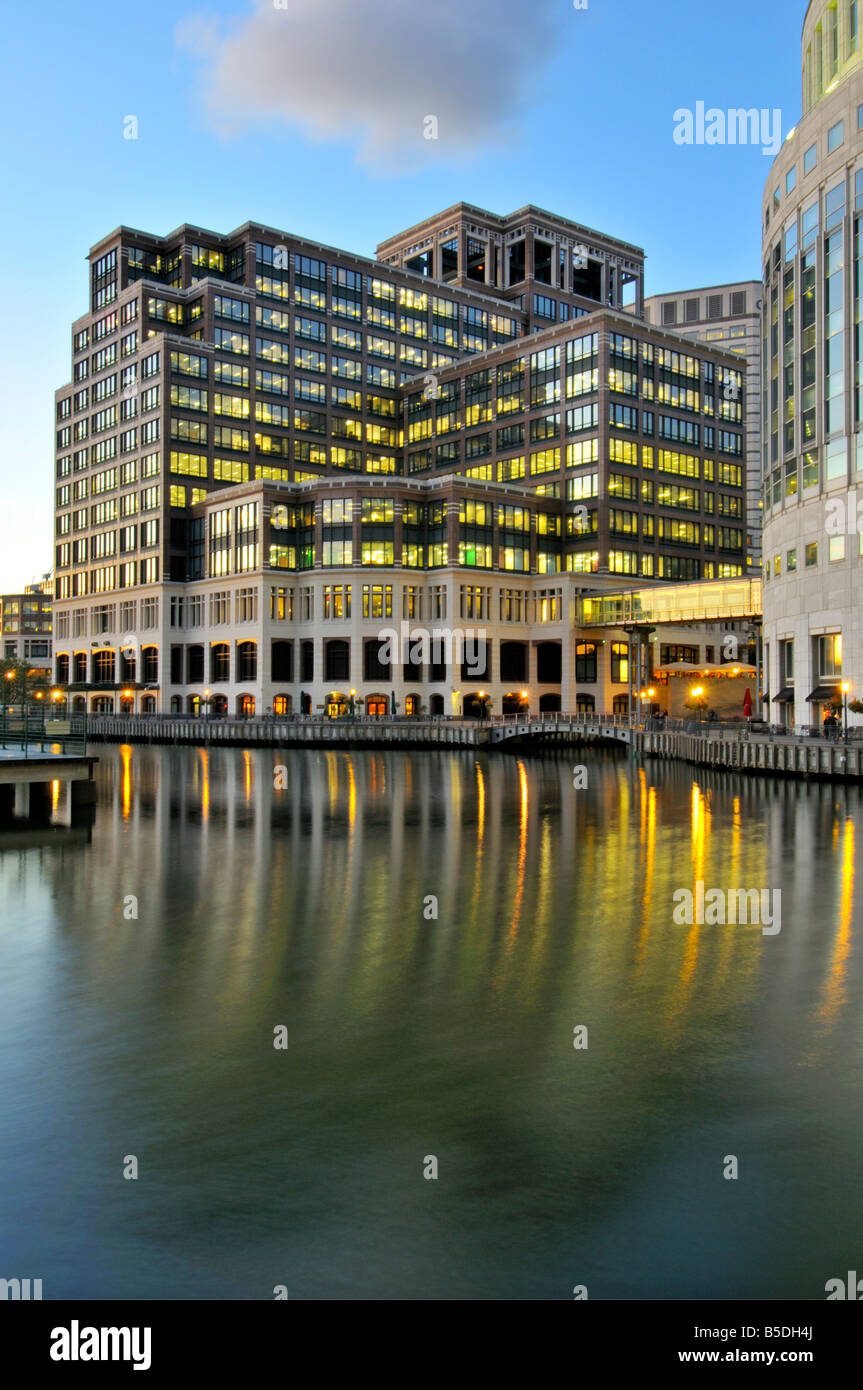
x=585, y=663
x=378, y=601
x=835, y=136
x=827, y=655
x=809, y=159
x=812, y=555
x=620, y=663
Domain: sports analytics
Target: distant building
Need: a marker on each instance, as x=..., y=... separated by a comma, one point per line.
x=728, y=316
x=26, y=621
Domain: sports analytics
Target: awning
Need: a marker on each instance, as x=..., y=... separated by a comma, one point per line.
x=785, y=696
x=821, y=693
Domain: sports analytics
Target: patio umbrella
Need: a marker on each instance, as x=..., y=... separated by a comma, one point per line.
x=747, y=704
x=676, y=668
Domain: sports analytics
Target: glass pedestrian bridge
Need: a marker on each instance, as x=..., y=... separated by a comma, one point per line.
x=673, y=603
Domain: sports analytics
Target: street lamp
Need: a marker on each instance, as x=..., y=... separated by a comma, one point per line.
x=846, y=686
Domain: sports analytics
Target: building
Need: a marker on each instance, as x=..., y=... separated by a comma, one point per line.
x=547, y=267
x=271, y=451
x=812, y=459
x=26, y=622
x=730, y=317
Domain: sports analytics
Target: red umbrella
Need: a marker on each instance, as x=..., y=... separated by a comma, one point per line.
x=747, y=704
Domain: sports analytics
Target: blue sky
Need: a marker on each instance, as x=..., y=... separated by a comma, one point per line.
x=217, y=94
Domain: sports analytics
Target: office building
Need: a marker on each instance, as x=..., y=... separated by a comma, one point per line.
x=728, y=316
x=812, y=458
x=269, y=448
x=26, y=621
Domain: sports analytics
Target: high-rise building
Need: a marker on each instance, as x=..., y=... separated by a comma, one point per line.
x=270, y=450
x=813, y=378
x=728, y=316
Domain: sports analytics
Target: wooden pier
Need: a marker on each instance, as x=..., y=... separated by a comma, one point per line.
x=35, y=785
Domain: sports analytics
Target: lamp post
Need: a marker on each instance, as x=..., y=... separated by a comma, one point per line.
x=754, y=634
x=7, y=691
x=846, y=686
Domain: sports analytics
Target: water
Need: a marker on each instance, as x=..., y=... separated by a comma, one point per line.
x=411, y=1037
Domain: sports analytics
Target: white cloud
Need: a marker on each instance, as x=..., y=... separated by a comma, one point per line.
x=370, y=71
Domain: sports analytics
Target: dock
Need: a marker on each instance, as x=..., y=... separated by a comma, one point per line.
x=36, y=785
x=736, y=747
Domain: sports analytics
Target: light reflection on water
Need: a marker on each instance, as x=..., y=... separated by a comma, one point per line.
x=303, y=907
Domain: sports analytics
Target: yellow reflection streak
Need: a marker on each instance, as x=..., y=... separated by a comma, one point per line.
x=352, y=796
x=247, y=777
x=524, y=799
x=126, y=782
x=480, y=833
x=833, y=991
x=648, y=853
x=332, y=781
x=728, y=937
x=55, y=797
x=699, y=830
x=205, y=784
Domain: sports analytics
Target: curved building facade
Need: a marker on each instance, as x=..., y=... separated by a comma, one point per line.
x=812, y=343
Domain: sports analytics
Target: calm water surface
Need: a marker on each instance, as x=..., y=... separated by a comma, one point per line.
x=409, y=1037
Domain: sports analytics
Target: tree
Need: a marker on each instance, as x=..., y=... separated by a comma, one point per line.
x=22, y=682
